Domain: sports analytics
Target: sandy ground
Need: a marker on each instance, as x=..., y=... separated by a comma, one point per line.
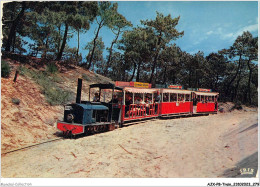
x=29, y=122
x=206, y=146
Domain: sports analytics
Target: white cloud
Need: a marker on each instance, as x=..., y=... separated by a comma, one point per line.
x=234, y=35
x=209, y=33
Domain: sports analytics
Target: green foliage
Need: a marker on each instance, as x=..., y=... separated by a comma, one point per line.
x=56, y=78
x=5, y=69
x=237, y=106
x=97, y=59
x=54, y=95
x=146, y=53
x=85, y=77
x=70, y=56
x=16, y=101
x=52, y=68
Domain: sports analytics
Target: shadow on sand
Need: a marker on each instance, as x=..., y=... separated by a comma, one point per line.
x=246, y=165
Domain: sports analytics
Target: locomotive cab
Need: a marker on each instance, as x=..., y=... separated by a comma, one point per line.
x=85, y=113
x=79, y=117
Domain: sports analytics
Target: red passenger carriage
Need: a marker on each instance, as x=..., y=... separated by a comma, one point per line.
x=206, y=101
x=129, y=102
x=175, y=101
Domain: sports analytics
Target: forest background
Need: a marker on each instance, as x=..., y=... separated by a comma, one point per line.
x=145, y=52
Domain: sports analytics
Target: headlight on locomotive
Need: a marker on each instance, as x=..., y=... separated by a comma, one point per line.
x=70, y=117
x=73, y=113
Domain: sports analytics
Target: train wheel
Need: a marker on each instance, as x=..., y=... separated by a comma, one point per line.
x=103, y=128
x=92, y=130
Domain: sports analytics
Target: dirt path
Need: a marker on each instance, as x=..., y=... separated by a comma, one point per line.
x=188, y=147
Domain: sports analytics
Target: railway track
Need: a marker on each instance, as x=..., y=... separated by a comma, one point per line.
x=125, y=125
x=30, y=146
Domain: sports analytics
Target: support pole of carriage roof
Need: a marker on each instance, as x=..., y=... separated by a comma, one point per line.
x=143, y=96
x=111, y=116
x=124, y=97
x=89, y=93
x=133, y=98
x=79, y=89
x=162, y=98
x=177, y=97
x=152, y=97
x=99, y=94
x=169, y=99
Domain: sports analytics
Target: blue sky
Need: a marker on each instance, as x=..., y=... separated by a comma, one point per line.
x=208, y=26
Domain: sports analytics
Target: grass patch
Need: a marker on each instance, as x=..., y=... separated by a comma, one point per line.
x=52, y=68
x=54, y=95
x=16, y=101
x=5, y=69
x=85, y=77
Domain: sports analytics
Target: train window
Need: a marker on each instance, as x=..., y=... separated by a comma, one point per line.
x=187, y=97
x=99, y=116
x=165, y=97
x=181, y=97
x=173, y=97
x=94, y=113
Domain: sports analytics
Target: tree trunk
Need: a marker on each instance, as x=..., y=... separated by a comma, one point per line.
x=78, y=47
x=46, y=47
x=236, y=88
x=138, y=71
x=14, y=39
x=249, y=81
x=227, y=91
x=237, y=85
x=59, y=40
x=110, y=52
x=156, y=57
x=63, y=42
x=12, y=31
x=164, y=75
x=216, y=82
x=94, y=45
x=133, y=73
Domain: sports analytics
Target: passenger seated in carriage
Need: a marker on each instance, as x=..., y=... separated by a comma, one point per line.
x=157, y=100
x=165, y=98
x=96, y=98
x=128, y=102
x=147, y=104
x=137, y=100
x=114, y=100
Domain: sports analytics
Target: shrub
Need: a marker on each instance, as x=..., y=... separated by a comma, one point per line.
x=16, y=101
x=52, y=68
x=57, y=96
x=5, y=69
x=237, y=105
x=85, y=77
x=22, y=70
x=54, y=95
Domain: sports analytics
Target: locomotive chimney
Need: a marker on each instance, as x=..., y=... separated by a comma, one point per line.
x=79, y=88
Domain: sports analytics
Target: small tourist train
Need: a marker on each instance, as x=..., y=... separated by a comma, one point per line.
x=124, y=103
